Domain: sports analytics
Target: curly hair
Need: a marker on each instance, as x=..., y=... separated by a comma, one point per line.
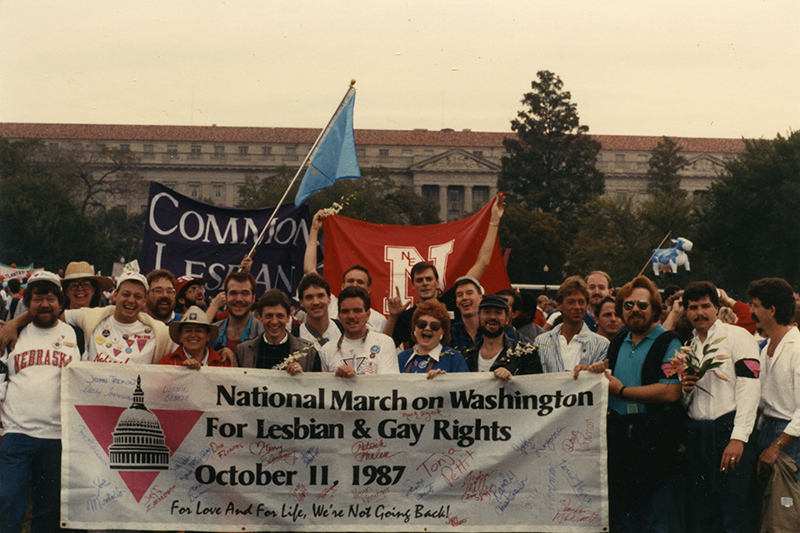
x=437, y=310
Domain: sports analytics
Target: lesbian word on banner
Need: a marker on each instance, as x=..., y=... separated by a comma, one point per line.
x=188, y=237
x=389, y=252
x=157, y=448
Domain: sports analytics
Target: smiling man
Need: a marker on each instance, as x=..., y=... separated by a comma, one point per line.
x=571, y=343
x=161, y=296
x=464, y=332
x=315, y=298
x=240, y=325
x=358, y=351
x=276, y=345
x=722, y=414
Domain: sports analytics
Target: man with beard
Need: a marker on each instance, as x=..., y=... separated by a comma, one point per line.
x=30, y=400
x=773, y=305
x=190, y=291
x=240, y=325
x=492, y=352
x=722, y=413
x=571, y=343
x=358, y=350
x=644, y=417
x=161, y=296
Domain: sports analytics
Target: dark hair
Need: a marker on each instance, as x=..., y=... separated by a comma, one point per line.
x=14, y=284
x=777, y=293
x=313, y=280
x=669, y=290
x=158, y=274
x=241, y=277
x=607, y=300
x=640, y=282
x=354, y=292
x=42, y=287
x=274, y=297
x=529, y=303
x=421, y=267
x=697, y=289
x=360, y=269
x=515, y=296
x=572, y=284
x=437, y=310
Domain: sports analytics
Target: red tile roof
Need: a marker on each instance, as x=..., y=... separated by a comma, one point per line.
x=467, y=139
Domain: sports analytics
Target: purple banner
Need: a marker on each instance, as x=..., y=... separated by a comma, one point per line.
x=188, y=237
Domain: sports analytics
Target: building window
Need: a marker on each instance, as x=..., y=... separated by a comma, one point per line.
x=196, y=150
x=431, y=191
x=218, y=191
x=480, y=197
x=125, y=147
x=290, y=150
x=428, y=152
x=148, y=151
x=641, y=160
x=219, y=152
x=78, y=147
x=172, y=150
x=266, y=150
x=619, y=158
x=455, y=202
x=243, y=151
x=52, y=146
x=477, y=153
x=406, y=151
x=383, y=152
x=194, y=190
x=360, y=152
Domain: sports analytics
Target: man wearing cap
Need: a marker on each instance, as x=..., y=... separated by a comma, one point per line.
x=161, y=296
x=190, y=291
x=82, y=287
x=30, y=400
x=277, y=348
x=193, y=334
x=571, y=343
x=494, y=351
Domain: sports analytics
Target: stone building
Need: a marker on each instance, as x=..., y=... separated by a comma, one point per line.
x=457, y=168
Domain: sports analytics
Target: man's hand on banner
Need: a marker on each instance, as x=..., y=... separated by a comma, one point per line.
x=345, y=371
x=396, y=305
x=502, y=373
x=433, y=372
x=294, y=368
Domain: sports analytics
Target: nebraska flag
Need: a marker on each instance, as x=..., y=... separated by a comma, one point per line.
x=389, y=252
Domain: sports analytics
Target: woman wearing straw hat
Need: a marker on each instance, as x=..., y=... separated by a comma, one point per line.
x=81, y=287
x=193, y=334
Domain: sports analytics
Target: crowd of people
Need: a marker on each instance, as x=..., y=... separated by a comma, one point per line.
x=719, y=427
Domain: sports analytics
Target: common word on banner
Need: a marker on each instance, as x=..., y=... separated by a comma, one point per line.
x=148, y=447
x=192, y=238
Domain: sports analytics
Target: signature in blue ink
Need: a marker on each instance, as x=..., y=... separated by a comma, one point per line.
x=195, y=492
x=578, y=485
x=505, y=491
x=419, y=488
x=190, y=463
x=310, y=455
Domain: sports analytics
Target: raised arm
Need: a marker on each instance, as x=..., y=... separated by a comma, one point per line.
x=485, y=253
x=310, y=258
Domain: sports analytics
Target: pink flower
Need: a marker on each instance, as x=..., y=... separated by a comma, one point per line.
x=721, y=375
x=722, y=357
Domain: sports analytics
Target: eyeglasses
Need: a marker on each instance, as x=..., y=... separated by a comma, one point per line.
x=641, y=304
x=160, y=291
x=435, y=326
x=80, y=285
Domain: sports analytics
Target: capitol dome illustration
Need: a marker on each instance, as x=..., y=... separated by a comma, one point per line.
x=138, y=438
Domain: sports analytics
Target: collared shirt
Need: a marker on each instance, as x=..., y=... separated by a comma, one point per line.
x=331, y=334
x=418, y=362
x=780, y=382
x=740, y=394
x=629, y=368
x=593, y=348
x=251, y=331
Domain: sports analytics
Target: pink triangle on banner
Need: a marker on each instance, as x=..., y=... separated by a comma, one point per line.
x=141, y=343
x=102, y=419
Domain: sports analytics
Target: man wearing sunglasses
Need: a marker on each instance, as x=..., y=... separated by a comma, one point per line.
x=644, y=417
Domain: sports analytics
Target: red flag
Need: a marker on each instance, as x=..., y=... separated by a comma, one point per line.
x=389, y=252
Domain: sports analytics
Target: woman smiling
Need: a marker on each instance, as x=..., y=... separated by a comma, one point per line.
x=431, y=355
x=193, y=335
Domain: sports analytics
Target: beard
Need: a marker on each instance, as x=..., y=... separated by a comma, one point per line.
x=491, y=334
x=642, y=324
x=40, y=322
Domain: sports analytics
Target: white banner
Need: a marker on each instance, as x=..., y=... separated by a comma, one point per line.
x=166, y=448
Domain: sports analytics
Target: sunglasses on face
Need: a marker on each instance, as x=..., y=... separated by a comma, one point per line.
x=641, y=304
x=435, y=326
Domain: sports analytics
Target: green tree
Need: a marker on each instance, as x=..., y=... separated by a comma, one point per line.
x=373, y=198
x=664, y=167
x=550, y=164
x=535, y=239
x=750, y=221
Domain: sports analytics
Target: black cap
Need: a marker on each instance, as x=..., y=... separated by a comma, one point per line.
x=493, y=300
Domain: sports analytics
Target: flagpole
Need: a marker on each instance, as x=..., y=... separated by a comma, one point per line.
x=322, y=134
x=653, y=254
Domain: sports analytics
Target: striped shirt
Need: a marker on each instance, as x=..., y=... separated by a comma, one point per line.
x=593, y=348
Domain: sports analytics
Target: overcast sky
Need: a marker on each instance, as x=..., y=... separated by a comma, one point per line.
x=681, y=68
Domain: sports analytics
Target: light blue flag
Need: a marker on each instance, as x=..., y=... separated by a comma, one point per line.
x=335, y=158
